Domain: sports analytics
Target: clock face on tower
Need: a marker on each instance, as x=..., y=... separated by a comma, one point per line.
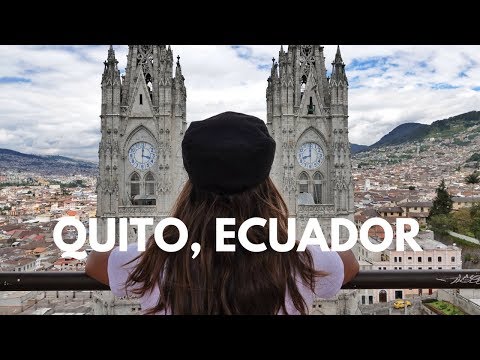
x=310, y=155
x=142, y=155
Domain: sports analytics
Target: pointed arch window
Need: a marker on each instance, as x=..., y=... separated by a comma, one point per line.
x=134, y=184
x=303, y=181
x=148, y=79
x=318, y=187
x=303, y=85
x=311, y=107
x=149, y=184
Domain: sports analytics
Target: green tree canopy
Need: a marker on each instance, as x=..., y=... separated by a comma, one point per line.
x=473, y=178
x=442, y=204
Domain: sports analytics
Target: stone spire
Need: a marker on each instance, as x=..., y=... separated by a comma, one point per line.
x=338, y=70
x=274, y=73
x=111, y=54
x=178, y=70
x=111, y=74
x=338, y=56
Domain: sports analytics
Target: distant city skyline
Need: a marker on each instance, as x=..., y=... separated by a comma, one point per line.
x=50, y=95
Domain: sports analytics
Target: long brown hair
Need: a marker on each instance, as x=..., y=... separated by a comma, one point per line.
x=240, y=282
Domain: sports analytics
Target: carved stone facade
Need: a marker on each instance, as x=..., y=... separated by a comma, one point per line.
x=307, y=114
x=143, y=119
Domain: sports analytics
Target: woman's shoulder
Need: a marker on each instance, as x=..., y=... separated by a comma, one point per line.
x=119, y=256
x=120, y=265
x=331, y=266
x=326, y=261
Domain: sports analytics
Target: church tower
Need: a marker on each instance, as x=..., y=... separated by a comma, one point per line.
x=143, y=118
x=307, y=114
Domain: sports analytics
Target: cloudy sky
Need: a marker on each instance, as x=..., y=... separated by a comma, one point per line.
x=50, y=95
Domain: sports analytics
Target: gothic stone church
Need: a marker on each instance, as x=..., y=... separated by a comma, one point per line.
x=143, y=119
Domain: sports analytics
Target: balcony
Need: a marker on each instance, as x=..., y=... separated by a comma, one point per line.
x=138, y=211
x=312, y=210
x=367, y=279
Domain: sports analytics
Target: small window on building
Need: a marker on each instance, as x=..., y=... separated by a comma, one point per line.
x=379, y=268
x=420, y=268
x=452, y=259
x=395, y=259
x=311, y=107
x=317, y=187
x=415, y=208
x=399, y=259
x=430, y=268
x=391, y=213
x=303, y=183
x=395, y=268
x=409, y=258
x=429, y=259
x=439, y=268
x=303, y=85
x=370, y=299
x=384, y=268
x=363, y=299
x=149, y=184
x=419, y=259
x=439, y=258
x=453, y=268
x=409, y=268
x=134, y=184
x=141, y=99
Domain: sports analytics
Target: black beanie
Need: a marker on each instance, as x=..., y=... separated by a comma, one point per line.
x=228, y=153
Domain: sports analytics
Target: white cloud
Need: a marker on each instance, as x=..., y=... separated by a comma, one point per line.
x=55, y=108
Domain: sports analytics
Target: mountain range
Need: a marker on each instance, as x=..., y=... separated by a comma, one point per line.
x=11, y=160
x=410, y=132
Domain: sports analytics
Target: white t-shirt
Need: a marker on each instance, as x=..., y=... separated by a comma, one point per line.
x=325, y=287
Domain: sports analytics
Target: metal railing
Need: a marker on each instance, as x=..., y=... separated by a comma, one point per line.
x=366, y=279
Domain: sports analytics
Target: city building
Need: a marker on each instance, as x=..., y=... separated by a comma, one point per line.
x=435, y=256
x=307, y=115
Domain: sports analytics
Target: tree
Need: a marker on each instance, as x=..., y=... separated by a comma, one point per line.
x=442, y=204
x=475, y=214
x=473, y=178
x=441, y=223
